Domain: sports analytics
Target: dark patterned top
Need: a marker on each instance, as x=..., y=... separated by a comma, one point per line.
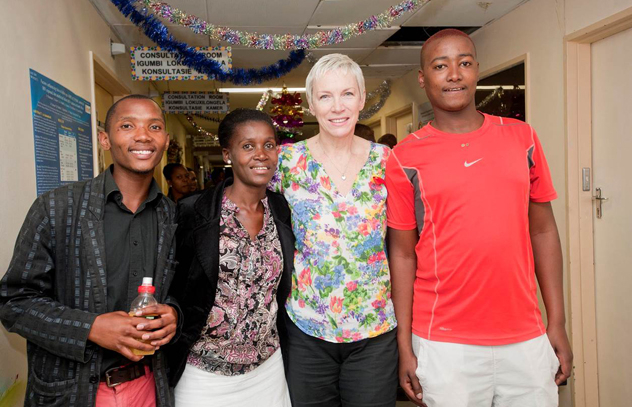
x=240, y=333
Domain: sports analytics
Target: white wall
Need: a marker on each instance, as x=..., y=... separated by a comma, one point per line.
x=53, y=38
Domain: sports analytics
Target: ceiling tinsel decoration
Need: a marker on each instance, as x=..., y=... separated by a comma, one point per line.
x=497, y=92
x=264, y=100
x=286, y=41
x=207, y=117
x=200, y=130
x=158, y=33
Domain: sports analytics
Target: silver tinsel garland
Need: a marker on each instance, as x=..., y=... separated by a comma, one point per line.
x=497, y=92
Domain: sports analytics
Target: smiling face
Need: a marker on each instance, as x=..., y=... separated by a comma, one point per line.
x=253, y=152
x=336, y=102
x=449, y=74
x=137, y=137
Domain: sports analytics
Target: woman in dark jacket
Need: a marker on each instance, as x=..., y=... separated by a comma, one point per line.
x=235, y=248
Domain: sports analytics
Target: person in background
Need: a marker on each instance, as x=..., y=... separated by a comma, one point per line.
x=217, y=176
x=82, y=252
x=177, y=177
x=365, y=132
x=193, y=181
x=342, y=348
x=235, y=253
x=470, y=227
x=388, y=140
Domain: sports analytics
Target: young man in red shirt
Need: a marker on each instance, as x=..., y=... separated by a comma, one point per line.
x=470, y=227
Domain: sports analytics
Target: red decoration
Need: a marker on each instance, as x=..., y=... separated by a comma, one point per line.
x=287, y=112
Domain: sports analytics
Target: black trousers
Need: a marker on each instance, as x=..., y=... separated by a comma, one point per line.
x=321, y=373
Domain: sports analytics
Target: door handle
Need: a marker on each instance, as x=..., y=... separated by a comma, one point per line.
x=599, y=199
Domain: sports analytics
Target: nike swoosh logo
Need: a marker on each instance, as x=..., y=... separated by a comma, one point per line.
x=472, y=163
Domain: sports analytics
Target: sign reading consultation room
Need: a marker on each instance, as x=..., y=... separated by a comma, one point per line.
x=155, y=64
x=62, y=132
x=195, y=102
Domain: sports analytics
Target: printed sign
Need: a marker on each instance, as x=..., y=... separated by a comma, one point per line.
x=195, y=102
x=204, y=141
x=62, y=130
x=154, y=64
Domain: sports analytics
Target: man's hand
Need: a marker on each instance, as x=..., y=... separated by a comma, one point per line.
x=117, y=331
x=163, y=328
x=408, y=378
x=561, y=346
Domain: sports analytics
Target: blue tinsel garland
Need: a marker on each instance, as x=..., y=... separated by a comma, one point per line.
x=157, y=32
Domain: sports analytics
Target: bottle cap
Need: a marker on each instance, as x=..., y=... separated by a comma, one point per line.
x=146, y=286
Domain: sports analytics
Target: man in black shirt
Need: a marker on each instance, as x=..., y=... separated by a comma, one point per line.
x=82, y=252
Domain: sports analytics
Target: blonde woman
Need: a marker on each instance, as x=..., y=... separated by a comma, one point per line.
x=342, y=348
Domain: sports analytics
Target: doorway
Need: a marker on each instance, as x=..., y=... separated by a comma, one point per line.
x=599, y=261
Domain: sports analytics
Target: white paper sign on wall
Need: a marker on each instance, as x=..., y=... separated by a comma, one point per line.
x=195, y=102
x=155, y=64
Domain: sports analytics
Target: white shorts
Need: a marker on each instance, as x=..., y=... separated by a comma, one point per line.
x=265, y=387
x=516, y=375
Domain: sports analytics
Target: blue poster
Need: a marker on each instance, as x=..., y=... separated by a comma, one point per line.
x=62, y=129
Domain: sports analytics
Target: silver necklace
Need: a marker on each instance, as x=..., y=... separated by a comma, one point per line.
x=343, y=173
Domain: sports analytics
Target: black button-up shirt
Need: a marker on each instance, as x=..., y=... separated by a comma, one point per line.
x=131, y=247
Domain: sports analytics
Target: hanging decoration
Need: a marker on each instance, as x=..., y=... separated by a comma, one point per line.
x=383, y=92
x=207, y=117
x=504, y=103
x=497, y=92
x=287, y=113
x=264, y=99
x=199, y=129
x=286, y=41
x=174, y=152
x=157, y=32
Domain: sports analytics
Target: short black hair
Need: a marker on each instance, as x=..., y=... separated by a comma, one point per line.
x=388, y=140
x=365, y=132
x=237, y=117
x=448, y=32
x=167, y=171
x=217, y=173
x=112, y=109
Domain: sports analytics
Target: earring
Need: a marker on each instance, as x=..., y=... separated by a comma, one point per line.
x=229, y=162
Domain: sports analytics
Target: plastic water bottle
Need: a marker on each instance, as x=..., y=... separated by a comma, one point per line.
x=145, y=298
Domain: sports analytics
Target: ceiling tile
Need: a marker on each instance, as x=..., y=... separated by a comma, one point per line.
x=254, y=58
x=268, y=13
x=344, y=12
x=460, y=13
x=195, y=7
x=357, y=54
x=371, y=39
x=132, y=36
x=394, y=55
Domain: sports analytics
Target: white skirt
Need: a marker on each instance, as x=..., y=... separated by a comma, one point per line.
x=263, y=387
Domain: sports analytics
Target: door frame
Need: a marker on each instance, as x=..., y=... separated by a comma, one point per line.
x=580, y=249
x=391, y=119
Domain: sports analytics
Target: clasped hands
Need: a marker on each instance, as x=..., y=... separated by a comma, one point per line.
x=120, y=332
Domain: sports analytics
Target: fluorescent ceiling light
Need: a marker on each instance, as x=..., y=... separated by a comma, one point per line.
x=494, y=87
x=258, y=90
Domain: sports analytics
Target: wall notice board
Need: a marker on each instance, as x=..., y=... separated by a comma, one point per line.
x=62, y=131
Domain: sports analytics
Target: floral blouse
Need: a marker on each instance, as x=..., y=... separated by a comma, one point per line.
x=341, y=289
x=241, y=332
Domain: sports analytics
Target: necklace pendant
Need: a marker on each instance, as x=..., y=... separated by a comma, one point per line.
x=344, y=177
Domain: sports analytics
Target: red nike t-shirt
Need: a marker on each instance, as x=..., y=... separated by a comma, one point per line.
x=468, y=197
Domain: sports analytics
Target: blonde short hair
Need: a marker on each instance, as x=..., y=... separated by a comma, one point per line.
x=333, y=62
